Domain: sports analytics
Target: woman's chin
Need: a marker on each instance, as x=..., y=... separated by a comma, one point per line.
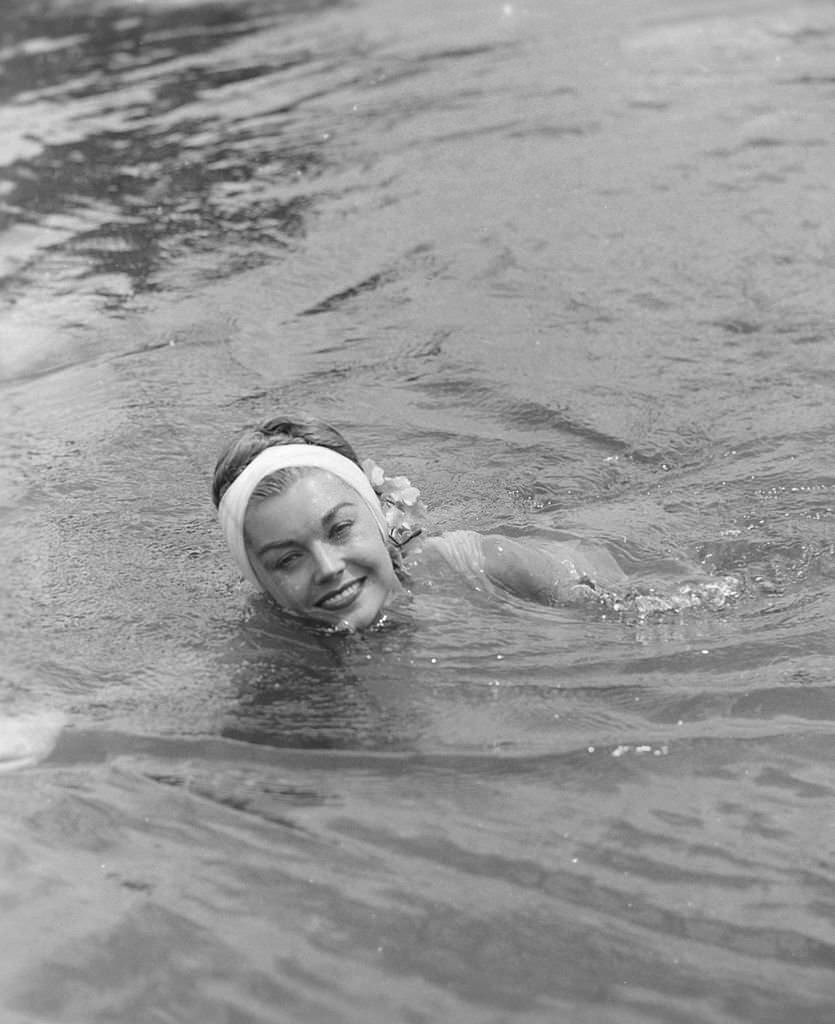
x=358, y=619
x=363, y=614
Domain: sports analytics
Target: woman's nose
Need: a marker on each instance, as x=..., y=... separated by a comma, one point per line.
x=327, y=560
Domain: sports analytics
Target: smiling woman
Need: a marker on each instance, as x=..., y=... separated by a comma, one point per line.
x=316, y=548
x=306, y=525
x=569, y=267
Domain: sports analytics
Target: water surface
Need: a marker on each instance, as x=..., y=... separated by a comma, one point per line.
x=567, y=266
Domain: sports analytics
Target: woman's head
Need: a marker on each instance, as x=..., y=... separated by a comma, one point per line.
x=304, y=523
x=317, y=547
x=275, y=431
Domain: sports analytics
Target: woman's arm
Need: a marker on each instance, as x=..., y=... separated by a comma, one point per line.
x=578, y=571
x=565, y=572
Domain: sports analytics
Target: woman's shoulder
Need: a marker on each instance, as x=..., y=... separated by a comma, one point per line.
x=507, y=561
x=461, y=550
x=544, y=573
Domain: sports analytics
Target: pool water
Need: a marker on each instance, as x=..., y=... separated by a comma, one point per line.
x=568, y=266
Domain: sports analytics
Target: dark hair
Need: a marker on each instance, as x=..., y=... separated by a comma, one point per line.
x=278, y=430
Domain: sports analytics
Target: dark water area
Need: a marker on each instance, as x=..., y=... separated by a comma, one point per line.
x=569, y=267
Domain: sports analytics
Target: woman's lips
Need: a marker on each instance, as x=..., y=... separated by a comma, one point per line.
x=341, y=598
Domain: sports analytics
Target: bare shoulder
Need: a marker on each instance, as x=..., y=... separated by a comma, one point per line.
x=463, y=550
x=544, y=573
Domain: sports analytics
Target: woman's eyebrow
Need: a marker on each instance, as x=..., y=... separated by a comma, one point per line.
x=270, y=545
x=334, y=512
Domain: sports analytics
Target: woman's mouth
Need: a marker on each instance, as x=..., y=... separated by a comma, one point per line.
x=339, y=599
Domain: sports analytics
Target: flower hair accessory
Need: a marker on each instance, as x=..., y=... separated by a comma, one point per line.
x=400, y=500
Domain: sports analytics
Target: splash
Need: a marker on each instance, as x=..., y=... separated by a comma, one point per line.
x=27, y=739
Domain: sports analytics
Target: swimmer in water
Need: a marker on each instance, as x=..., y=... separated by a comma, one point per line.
x=335, y=541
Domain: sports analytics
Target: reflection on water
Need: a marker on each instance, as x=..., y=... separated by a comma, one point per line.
x=141, y=147
x=567, y=266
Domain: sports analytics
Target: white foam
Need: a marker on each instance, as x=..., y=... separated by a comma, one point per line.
x=26, y=739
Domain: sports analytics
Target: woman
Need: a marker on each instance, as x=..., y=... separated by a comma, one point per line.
x=336, y=542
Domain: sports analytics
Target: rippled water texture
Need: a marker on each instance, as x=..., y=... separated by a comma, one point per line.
x=569, y=267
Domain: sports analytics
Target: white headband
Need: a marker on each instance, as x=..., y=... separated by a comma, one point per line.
x=233, y=505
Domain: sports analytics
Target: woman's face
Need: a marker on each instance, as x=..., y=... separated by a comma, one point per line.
x=317, y=550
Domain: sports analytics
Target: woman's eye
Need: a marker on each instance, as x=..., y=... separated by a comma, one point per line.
x=285, y=562
x=341, y=530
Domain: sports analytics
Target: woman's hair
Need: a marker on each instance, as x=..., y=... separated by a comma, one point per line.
x=284, y=430
x=277, y=430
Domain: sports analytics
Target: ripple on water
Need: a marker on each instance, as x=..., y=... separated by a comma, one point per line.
x=616, y=328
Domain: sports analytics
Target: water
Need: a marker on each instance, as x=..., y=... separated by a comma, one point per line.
x=566, y=265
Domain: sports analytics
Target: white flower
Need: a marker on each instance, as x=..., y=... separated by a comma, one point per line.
x=399, y=488
x=400, y=500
